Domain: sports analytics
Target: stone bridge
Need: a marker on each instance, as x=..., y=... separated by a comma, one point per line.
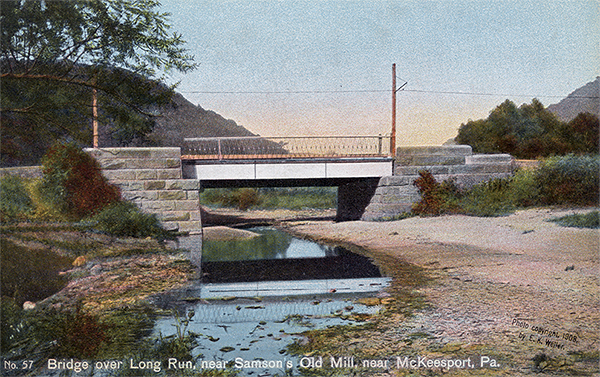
x=160, y=182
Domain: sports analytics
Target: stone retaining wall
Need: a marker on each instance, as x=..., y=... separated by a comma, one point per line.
x=396, y=194
x=152, y=179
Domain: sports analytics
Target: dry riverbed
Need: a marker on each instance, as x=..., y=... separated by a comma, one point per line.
x=517, y=291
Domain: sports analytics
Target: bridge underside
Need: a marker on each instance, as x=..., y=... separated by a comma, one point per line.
x=356, y=179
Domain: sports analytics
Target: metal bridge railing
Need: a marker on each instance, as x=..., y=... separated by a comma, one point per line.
x=258, y=147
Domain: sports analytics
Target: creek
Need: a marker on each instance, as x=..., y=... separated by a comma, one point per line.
x=256, y=297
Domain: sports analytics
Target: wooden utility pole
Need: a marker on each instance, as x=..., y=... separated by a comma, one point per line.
x=393, y=135
x=95, y=117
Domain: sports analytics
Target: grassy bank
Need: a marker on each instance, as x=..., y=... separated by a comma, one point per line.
x=88, y=294
x=572, y=181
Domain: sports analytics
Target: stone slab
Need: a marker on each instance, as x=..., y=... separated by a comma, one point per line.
x=489, y=159
x=446, y=150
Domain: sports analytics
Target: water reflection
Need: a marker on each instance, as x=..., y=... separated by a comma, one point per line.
x=271, y=244
x=256, y=296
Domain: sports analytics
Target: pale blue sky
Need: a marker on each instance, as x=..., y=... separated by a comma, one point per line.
x=516, y=49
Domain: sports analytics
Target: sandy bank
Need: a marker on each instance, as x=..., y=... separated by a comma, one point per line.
x=495, y=281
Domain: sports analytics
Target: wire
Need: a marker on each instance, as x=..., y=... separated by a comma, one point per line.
x=288, y=91
x=385, y=91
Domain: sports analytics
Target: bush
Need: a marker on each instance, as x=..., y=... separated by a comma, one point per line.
x=242, y=198
x=246, y=198
x=43, y=208
x=524, y=190
x=124, y=219
x=431, y=201
x=298, y=197
x=436, y=198
x=15, y=203
x=569, y=180
x=73, y=182
x=491, y=198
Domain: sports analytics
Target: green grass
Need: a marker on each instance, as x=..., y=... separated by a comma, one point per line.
x=271, y=198
x=589, y=220
x=299, y=198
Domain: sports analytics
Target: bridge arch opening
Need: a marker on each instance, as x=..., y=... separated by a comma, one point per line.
x=353, y=195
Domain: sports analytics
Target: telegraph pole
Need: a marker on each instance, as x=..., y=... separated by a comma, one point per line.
x=393, y=134
x=95, y=117
x=394, y=91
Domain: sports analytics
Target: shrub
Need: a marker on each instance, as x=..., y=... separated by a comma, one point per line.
x=569, y=180
x=79, y=334
x=15, y=203
x=73, y=182
x=431, y=200
x=491, y=198
x=298, y=197
x=242, y=198
x=524, y=190
x=124, y=219
x=436, y=198
x=43, y=208
x=246, y=198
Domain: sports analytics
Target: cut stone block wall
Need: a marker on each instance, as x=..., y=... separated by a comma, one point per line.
x=396, y=194
x=152, y=179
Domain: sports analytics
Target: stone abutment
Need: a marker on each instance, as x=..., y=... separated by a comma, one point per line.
x=396, y=194
x=152, y=179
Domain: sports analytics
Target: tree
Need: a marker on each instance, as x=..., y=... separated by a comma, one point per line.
x=56, y=54
x=528, y=131
x=584, y=131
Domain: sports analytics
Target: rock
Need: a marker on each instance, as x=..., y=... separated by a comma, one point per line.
x=369, y=301
x=223, y=233
x=79, y=261
x=28, y=305
x=96, y=270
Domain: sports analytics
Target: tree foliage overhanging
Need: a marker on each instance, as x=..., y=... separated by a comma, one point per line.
x=54, y=54
x=530, y=131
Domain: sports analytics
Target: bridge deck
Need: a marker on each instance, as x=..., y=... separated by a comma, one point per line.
x=263, y=168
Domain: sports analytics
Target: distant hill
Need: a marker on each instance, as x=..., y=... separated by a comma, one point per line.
x=579, y=101
x=178, y=120
x=182, y=119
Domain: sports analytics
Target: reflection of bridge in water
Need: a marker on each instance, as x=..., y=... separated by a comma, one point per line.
x=352, y=163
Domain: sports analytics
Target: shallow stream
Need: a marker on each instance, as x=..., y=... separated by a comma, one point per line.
x=257, y=296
